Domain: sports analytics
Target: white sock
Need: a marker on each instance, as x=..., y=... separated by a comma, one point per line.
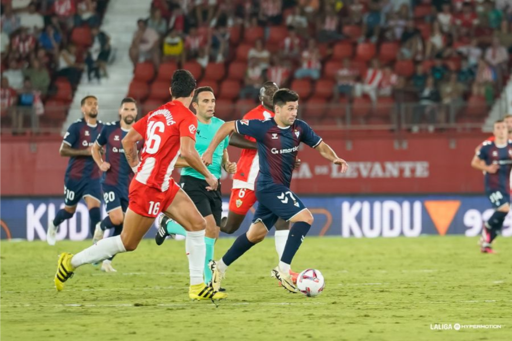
x=281, y=237
x=103, y=249
x=196, y=252
x=222, y=266
x=284, y=267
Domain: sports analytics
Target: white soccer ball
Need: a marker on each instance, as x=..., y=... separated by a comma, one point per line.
x=311, y=282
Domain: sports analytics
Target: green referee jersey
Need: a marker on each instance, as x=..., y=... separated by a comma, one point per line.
x=204, y=137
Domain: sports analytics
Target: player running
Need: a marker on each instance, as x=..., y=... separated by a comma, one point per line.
x=118, y=173
x=209, y=203
x=495, y=159
x=278, y=141
x=82, y=179
x=166, y=131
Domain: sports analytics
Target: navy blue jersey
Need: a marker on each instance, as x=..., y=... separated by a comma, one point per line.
x=120, y=173
x=277, y=148
x=81, y=135
x=491, y=153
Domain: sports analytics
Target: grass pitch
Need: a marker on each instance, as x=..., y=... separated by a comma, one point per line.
x=376, y=289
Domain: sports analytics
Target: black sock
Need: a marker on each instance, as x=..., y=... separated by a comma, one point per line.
x=107, y=224
x=297, y=233
x=61, y=216
x=239, y=247
x=495, y=223
x=94, y=218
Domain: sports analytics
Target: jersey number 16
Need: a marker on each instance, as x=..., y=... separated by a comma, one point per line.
x=153, y=139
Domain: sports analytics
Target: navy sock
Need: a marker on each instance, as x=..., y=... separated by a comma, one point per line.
x=297, y=233
x=239, y=247
x=107, y=224
x=94, y=218
x=495, y=223
x=61, y=216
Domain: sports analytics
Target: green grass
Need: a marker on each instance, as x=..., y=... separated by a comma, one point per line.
x=376, y=289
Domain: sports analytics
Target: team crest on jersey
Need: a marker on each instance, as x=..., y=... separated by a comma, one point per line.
x=245, y=122
x=297, y=133
x=239, y=203
x=274, y=136
x=494, y=153
x=86, y=133
x=192, y=128
x=116, y=137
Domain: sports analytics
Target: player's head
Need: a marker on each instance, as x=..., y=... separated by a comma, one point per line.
x=286, y=105
x=267, y=91
x=500, y=129
x=128, y=110
x=508, y=122
x=89, y=106
x=204, y=102
x=182, y=84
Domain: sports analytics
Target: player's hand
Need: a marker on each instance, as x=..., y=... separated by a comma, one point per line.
x=297, y=164
x=207, y=158
x=89, y=150
x=230, y=167
x=493, y=168
x=342, y=163
x=212, y=182
x=105, y=166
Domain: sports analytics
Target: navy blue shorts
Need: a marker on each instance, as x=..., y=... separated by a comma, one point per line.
x=498, y=197
x=115, y=197
x=276, y=202
x=74, y=190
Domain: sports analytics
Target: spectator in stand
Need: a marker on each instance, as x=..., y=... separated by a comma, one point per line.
x=173, y=47
x=345, y=80
x=310, y=8
x=24, y=43
x=38, y=76
x=371, y=22
x=8, y=98
x=28, y=101
x=204, y=56
x=260, y=54
x=86, y=13
x=193, y=42
x=451, y=96
x=371, y=82
x=484, y=81
x=14, y=75
x=445, y=18
x=428, y=106
x=466, y=21
x=395, y=27
x=504, y=35
x=438, y=71
x=436, y=42
x=278, y=72
x=472, y=52
x=403, y=95
x=290, y=48
x=329, y=25
x=466, y=74
x=298, y=21
x=220, y=44
x=225, y=15
x=497, y=57
x=270, y=12
x=356, y=12
x=157, y=23
x=65, y=11
x=177, y=21
x=311, y=64
x=145, y=45
x=253, y=80
x=4, y=44
x=68, y=67
x=387, y=83
x=31, y=19
x=204, y=10
x=98, y=55
x=10, y=21
x=492, y=15
x=412, y=43
x=50, y=39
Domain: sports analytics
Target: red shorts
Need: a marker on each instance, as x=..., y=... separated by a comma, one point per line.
x=149, y=201
x=241, y=200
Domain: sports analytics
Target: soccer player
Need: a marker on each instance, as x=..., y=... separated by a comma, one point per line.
x=167, y=131
x=494, y=158
x=118, y=173
x=82, y=179
x=278, y=141
x=209, y=203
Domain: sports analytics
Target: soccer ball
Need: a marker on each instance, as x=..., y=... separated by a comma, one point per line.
x=310, y=282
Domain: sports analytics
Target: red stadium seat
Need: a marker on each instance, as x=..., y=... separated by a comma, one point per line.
x=139, y=90
x=242, y=52
x=476, y=107
x=353, y=32
x=361, y=65
x=159, y=90
x=235, y=33
x=422, y=11
x=425, y=29
x=314, y=109
x=388, y=52
x=214, y=71
x=54, y=110
x=365, y=51
x=427, y=65
x=361, y=107
x=331, y=68
x=338, y=110
x=144, y=72
x=252, y=34
x=323, y=89
x=64, y=90
x=150, y=105
x=212, y=84
x=195, y=69
x=404, y=68
x=224, y=109
x=242, y=107
x=302, y=87
x=277, y=34
x=323, y=49
x=237, y=70
x=342, y=50
x=229, y=89
x=384, y=108
x=81, y=36
x=166, y=70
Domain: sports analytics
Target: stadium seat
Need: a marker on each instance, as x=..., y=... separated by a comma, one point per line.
x=302, y=87
x=323, y=89
x=352, y=31
x=384, y=108
x=365, y=51
x=476, y=107
x=331, y=68
x=64, y=90
x=229, y=89
x=277, y=34
x=150, y=105
x=427, y=65
x=237, y=70
x=422, y=11
x=330, y=122
x=224, y=109
x=424, y=29
x=252, y=34
x=81, y=36
x=159, y=90
x=195, y=69
x=314, y=109
x=388, y=52
x=139, y=90
x=166, y=70
x=144, y=72
x=404, y=68
x=242, y=107
x=242, y=52
x=338, y=110
x=361, y=65
x=54, y=110
x=212, y=84
x=235, y=33
x=214, y=72
x=361, y=107
x=323, y=49
x=342, y=50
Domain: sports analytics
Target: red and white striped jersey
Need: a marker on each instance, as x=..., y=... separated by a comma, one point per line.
x=248, y=166
x=161, y=130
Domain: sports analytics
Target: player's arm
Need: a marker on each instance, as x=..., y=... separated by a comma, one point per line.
x=229, y=167
x=130, y=148
x=96, y=152
x=191, y=156
x=226, y=129
x=479, y=164
x=327, y=152
x=239, y=141
x=66, y=151
x=181, y=163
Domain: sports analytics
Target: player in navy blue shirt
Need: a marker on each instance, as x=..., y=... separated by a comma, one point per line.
x=495, y=159
x=117, y=172
x=278, y=140
x=82, y=179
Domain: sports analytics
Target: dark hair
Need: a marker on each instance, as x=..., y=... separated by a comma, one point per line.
x=142, y=21
x=507, y=116
x=501, y=120
x=128, y=100
x=284, y=95
x=199, y=90
x=82, y=102
x=182, y=84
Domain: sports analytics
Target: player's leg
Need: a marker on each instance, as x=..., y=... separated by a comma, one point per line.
x=92, y=197
x=107, y=263
x=281, y=235
x=212, y=213
x=72, y=193
x=240, y=202
x=115, y=213
x=492, y=227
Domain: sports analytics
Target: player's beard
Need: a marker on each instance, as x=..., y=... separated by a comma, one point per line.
x=92, y=114
x=129, y=119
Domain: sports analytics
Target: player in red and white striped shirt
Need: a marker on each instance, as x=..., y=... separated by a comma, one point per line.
x=167, y=131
